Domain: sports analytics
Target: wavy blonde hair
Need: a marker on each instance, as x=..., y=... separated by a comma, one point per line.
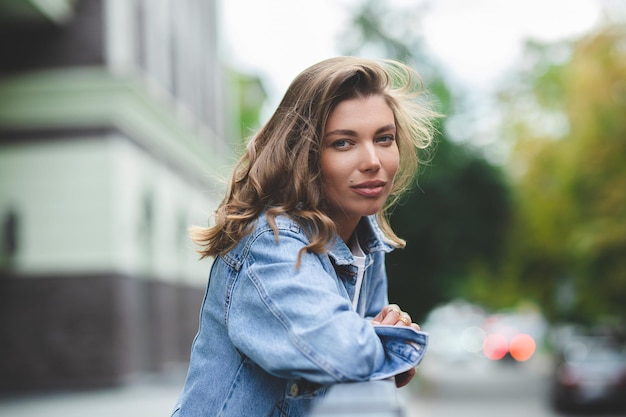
x=280, y=170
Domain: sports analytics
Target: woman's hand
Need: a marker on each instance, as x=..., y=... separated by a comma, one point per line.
x=392, y=315
x=405, y=377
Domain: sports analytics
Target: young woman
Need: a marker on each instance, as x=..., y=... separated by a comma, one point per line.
x=297, y=295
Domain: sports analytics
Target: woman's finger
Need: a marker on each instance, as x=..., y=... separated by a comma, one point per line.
x=404, y=318
x=391, y=318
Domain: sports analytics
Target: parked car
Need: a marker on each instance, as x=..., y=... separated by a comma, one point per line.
x=590, y=372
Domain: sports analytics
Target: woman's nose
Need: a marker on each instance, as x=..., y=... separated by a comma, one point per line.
x=370, y=160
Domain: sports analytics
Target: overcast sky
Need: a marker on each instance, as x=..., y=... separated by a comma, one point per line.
x=475, y=40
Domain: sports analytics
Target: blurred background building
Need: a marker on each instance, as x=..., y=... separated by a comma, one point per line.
x=112, y=138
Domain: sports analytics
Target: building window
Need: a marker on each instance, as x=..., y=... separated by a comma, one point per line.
x=9, y=244
x=146, y=233
x=140, y=35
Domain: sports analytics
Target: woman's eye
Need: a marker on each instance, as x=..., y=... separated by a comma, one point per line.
x=386, y=139
x=340, y=144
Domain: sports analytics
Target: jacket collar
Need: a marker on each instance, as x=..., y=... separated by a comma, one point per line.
x=371, y=239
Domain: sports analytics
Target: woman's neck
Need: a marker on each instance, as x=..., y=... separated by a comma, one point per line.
x=346, y=228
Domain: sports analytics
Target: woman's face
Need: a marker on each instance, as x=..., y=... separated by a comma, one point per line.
x=359, y=159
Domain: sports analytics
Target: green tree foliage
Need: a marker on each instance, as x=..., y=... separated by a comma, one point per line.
x=246, y=101
x=570, y=237
x=454, y=220
x=453, y=223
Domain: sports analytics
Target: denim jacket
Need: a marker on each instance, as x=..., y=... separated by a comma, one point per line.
x=273, y=337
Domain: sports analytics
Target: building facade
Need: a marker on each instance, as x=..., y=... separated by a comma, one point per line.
x=113, y=141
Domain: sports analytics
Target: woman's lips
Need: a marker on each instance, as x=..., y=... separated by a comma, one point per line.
x=369, y=188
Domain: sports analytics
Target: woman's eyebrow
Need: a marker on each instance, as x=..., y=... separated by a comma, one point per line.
x=348, y=132
x=386, y=128
x=341, y=132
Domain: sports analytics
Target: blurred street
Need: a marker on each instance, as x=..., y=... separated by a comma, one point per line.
x=484, y=388
x=477, y=388
x=147, y=396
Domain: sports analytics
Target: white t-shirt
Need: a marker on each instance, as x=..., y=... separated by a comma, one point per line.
x=359, y=262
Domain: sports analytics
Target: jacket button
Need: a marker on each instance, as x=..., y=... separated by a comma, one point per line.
x=293, y=390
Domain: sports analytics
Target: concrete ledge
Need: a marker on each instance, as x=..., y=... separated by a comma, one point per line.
x=363, y=399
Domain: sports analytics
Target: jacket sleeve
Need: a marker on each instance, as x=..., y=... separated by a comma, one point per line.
x=298, y=323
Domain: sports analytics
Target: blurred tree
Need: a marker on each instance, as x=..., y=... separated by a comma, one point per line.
x=568, y=120
x=454, y=221
x=247, y=98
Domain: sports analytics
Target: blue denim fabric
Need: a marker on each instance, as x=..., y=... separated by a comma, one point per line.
x=273, y=337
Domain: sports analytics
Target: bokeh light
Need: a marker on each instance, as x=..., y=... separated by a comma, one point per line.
x=495, y=346
x=522, y=347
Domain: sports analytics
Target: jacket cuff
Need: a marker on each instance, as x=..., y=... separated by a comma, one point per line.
x=404, y=349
